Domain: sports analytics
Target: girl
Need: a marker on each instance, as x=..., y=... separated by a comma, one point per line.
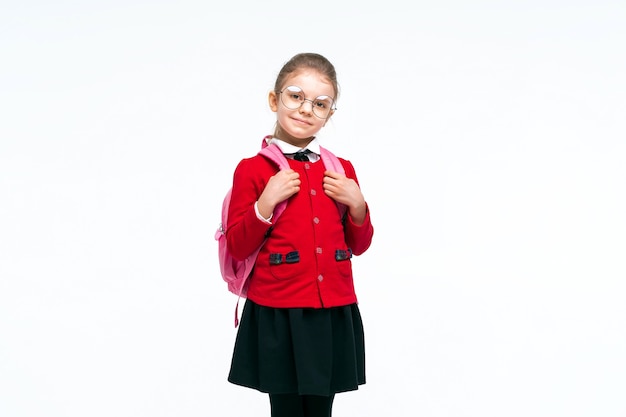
x=301, y=337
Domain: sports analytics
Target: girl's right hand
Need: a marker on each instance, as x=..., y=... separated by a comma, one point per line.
x=280, y=187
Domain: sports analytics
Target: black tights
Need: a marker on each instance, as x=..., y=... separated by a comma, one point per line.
x=294, y=405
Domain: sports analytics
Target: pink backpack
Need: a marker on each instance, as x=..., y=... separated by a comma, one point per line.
x=235, y=272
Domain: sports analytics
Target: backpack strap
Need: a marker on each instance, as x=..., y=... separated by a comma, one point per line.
x=273, y=152
x=332, y=163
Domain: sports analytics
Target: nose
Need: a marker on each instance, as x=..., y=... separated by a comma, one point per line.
x=307, y=109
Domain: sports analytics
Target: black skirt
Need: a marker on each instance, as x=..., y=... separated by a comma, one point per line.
x=299, y=350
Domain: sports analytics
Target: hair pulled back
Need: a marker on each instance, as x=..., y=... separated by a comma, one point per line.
x=308, y=60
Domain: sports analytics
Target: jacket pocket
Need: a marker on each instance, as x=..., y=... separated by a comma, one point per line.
x=343, y=262
x=284, y=265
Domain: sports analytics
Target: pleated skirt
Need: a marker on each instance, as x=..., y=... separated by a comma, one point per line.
x=299, y=350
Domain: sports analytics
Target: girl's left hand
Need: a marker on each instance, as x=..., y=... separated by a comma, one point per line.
x=346, y=191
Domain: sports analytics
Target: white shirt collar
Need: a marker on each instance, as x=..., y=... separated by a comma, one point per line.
x=313, y=146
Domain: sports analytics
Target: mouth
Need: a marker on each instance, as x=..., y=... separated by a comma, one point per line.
x=300, y=121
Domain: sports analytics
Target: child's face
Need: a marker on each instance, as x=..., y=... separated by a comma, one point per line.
x=300, y=124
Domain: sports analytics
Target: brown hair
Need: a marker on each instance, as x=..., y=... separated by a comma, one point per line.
x=311, y=61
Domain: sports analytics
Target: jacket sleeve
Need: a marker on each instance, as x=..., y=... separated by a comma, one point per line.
x=245, y=231
x=358, y=237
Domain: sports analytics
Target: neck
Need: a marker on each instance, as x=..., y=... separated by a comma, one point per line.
x=285, y=137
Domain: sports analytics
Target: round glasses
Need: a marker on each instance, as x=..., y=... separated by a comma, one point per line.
x=292, y=97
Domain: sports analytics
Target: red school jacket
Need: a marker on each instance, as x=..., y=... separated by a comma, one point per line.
x=305, y=261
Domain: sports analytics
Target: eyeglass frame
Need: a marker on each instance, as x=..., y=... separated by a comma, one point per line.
x=333, y=106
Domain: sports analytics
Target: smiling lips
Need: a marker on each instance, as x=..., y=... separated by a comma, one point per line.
x=300, y=121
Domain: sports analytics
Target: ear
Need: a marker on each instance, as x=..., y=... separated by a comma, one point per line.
x=273, y=101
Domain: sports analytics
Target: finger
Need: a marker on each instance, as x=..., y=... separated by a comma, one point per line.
x=330, y=180
x=288, y=176
x=332, y=174
x=287, y=172
x=329, y=189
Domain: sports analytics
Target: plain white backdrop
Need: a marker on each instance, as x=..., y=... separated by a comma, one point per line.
x=489, y=139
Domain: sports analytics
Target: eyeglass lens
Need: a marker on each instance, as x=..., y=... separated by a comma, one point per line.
x=293, y=97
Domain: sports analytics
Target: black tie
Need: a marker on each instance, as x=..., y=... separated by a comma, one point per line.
x=302, y=155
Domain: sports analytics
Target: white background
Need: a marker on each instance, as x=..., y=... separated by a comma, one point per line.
x=489, y=139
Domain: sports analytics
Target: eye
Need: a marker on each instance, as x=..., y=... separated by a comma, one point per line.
x=323, y=102
x=294, y=93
